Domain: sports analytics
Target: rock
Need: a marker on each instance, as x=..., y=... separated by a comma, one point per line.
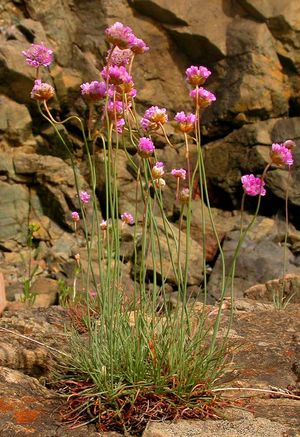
x=288, y=288
x=193, y=32
x=15, y=123
x=254, y=264
x=244, y=426
x=251, y=83
x=45, y=291
x=14, y=212
x=55, y=185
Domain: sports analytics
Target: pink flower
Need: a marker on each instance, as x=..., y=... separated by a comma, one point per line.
x=94, y=90
x=125, y=88
x=115, y=109
x=196, y=76
x=153, y=118
x=158, y=170
x=84, y=197
x=120, y=35
x=116, y=75
x=253, y=186
x=184, y=195
x=127, y=218
x=202, y=97
x=186, y=121
x=120, y=125
x=119, y=57
x=38, y=55
x=138, y=46
x=41, y=91
x=281, y=155
x=145, y=147
x=179, y=173
x=75, y=216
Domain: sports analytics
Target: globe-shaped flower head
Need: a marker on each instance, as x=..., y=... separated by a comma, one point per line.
x=38, y=55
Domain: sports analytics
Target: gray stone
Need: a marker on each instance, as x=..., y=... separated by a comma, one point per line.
x=254, y=264
x=14, y=213
x=15, y=122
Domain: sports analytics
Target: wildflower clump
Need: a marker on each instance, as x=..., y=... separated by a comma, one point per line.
x=139, y=359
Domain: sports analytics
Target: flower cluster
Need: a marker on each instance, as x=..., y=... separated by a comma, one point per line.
x=75, y=216
x=196, y=76
x=124, y=38
x=84, y=197
x=94, y=90
x=253, y=186
x=127, y=218
x=145, y=147
x=281, y=153
x=158, y=170
x=38, y=55
x=41, y=91
x=153, y=118
x=202, y=97
x=186, y=122
x=118, y=57
x=179, y=173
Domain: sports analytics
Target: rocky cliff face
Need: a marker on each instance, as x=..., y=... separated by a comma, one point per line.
x=252, y=48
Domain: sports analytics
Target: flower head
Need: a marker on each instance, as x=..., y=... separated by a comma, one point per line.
x=138, y=46
x=41, y=91
x=153, y=118
x=157, y=170
x=179, y=173
x=84, y=197
x=160, y=183
x=281, y=155
x=253, y=186
x=196, y=76
x=115, y=109
x=184, y=195
x=120, y=35
x=186, y=121
x=94, y=90
x=120, y=125
x=116, y=75
x=127, y=218
x=38, y=55
x=145, y=147
x=75, y=216
x=202, y=97
x=125, y=88
x=119, y=57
